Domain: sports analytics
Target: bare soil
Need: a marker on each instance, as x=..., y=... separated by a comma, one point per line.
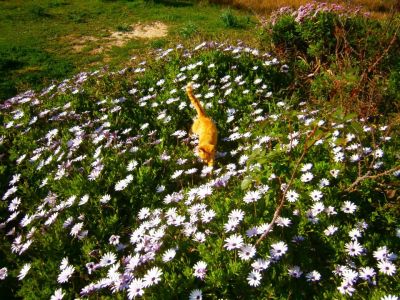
x=118, y=38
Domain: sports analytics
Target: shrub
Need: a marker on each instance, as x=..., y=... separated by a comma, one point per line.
x=345, y=56
x=285, y=34
x=229, y=19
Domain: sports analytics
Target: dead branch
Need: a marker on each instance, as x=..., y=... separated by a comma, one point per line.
x=351, y=188
x=282, y=201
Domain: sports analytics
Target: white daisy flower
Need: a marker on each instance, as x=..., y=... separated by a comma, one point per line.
x=291, y=196
x=354, y=248
x=247, y=251
x=25, y=269
x=316, y=195
x=313, y=276
x=105, y=199
x=3, y=273
x=387, y=268
x=254, y=278
x=168, y=255
x=236, y=214
x=176, y=174
x=260, y=264
x=200, y=269
x=390, y=297
x=306, y=167
x=153, y=276
x=107, y=259
x=334, y=173
x=231, y=225
x=135, y=288
x=366, y=273
x=235, y=241
x=58, y=295
x=348, y=207
x=346, y=289
x=278, y=249
x=252, y=196
x=114, y=240
x=330, y=230
x=195, y=295
x=65, y=274
x=295, y=271
x=283, y=222
x=76, y=229
x=64, y=263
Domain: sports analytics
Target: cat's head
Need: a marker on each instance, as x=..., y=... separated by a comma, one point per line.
x=207, y=153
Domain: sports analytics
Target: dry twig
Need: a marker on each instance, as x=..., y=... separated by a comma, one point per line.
x=282, y=201
x=351, y=188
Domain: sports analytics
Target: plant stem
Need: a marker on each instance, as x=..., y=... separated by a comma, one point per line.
x=367, y=176
x=282, y=201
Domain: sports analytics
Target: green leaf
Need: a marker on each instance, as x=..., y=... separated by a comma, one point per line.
x=245, y=183
x=349, y=117
x=357, y=127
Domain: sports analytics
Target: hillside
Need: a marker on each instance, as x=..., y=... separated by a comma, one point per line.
x=104, y=195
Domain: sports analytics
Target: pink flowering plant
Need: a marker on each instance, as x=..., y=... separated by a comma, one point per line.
x=102, y=195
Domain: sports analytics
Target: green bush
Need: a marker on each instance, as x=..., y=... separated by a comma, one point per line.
x=323, y=35
x=285, y=34
x=229, y=19
x=346, y=58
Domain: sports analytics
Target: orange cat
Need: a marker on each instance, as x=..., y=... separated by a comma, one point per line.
x=205, y=128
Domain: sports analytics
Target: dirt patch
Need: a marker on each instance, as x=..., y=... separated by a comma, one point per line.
x=77, y=43
x=117, y=38
x=142, y=31
x=97, y=50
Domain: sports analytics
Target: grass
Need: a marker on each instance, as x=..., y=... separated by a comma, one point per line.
x=45, y=40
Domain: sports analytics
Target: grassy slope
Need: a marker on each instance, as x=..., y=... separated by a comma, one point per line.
x=36, y=44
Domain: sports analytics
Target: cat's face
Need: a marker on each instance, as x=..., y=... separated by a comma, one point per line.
x=207, y=153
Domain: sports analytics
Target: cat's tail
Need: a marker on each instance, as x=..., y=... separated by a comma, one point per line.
x=194, y=100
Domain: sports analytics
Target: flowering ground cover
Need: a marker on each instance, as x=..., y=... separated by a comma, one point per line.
x=103, y=196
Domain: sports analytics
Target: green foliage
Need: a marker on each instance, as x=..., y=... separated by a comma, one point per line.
x=159, y=43
x=39, y=12
x=321, y=37
x=229, y=19
x=124, y=28
x=285, y=33
x=189, y=30
x=392, y=100
x=343, y=58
